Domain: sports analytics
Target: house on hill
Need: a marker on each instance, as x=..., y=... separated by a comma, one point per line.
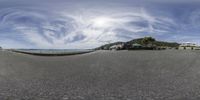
x=117, y=47
x=187, y=46
x=136, y=45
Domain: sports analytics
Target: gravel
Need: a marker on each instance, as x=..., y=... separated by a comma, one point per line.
x=101, y=75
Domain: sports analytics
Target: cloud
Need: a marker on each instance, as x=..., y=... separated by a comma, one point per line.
x=73, y=25
x=63, y=30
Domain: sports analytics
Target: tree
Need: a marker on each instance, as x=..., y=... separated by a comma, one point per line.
x=148, y=40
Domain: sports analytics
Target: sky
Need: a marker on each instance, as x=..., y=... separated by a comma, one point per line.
x=86, y=24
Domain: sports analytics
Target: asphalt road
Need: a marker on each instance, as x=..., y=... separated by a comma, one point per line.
x=101, y=75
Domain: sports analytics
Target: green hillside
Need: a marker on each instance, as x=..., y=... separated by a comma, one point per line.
x=143, y=41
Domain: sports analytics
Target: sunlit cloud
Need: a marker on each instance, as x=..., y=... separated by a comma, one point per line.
x=91, y=27
x=87, y=31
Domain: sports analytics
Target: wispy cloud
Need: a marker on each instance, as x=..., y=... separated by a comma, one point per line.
x=84, y=27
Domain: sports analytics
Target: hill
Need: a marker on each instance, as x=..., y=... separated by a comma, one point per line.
x=142, y=41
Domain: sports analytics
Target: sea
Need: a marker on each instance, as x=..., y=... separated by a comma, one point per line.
x=54, y=51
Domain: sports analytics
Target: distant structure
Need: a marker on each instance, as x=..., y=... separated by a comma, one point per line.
x=1, y=48
x=117, y=47
x=162, y=47
x=136, y=46
x=197, y=48
x=188, y=46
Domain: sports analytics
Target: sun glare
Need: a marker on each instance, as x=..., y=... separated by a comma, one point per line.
x=102, y=22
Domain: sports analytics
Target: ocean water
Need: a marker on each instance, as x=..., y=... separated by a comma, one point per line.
x=53, y=51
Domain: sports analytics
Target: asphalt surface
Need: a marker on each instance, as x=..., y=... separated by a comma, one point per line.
x=101, y=75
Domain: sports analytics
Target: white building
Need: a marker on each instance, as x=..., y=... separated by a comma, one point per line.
x=117, y=47
x=188, y=46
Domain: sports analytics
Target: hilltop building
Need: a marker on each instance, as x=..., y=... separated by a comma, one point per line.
x=188, y=46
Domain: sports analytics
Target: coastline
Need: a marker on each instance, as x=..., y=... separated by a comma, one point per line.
x=52, y=54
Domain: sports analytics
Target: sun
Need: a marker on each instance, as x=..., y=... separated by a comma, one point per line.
x=102, y=22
